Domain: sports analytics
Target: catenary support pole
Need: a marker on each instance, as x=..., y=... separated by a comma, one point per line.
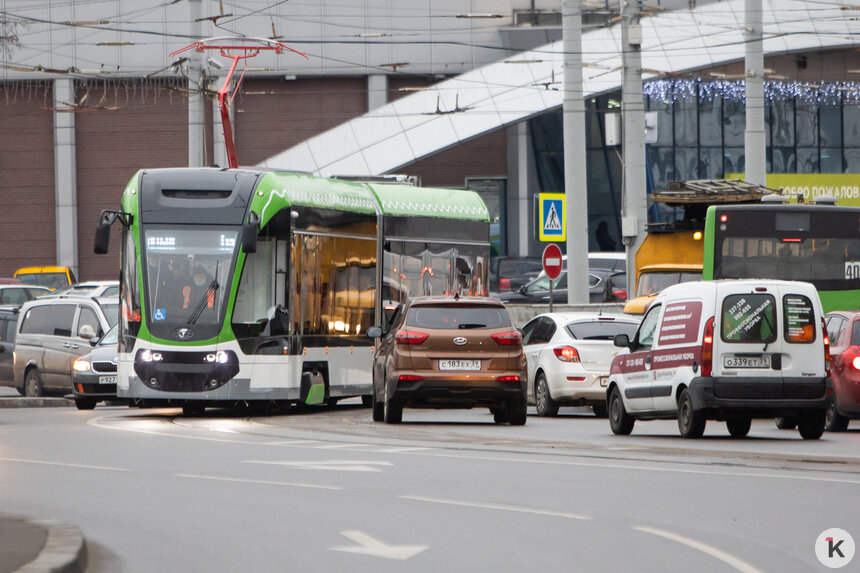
x=575, y=181
x=65, y=177
x=754, y=135
x=196, y=79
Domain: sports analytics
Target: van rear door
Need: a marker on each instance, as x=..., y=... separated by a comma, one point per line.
x=802, y=343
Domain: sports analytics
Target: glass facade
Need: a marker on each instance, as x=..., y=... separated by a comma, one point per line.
x=700, y=135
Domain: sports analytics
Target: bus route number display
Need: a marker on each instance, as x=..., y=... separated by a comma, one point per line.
x=852, y=270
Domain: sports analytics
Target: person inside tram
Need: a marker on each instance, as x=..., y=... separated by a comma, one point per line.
x=198, y=287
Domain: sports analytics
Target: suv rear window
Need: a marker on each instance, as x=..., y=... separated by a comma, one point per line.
x=458, y=316
x=749, y=318
x=799, y=319
x=604, y=330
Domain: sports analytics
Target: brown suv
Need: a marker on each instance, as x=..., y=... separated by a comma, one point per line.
x=444, y=352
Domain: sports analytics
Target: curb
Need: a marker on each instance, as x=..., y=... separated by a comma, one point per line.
x=65, y=550
x=35, y=403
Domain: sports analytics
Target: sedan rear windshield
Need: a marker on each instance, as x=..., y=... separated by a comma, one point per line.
x=457, y=316
x=603, y=330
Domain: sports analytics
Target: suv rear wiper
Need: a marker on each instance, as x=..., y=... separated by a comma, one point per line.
x=198, y=310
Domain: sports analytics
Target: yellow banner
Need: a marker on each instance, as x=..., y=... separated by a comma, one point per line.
x=844, y=186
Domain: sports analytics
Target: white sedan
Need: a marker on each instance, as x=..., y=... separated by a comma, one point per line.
x=568, y=355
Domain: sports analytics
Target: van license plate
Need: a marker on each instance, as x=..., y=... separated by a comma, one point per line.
x=107, y=379
x=762, y=361
x=459, y=365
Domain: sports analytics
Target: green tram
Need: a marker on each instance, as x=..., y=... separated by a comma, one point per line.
x=259, y=286
x=804, y=242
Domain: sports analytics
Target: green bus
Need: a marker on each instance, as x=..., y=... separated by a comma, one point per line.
x=805, y=242
x=259, y=286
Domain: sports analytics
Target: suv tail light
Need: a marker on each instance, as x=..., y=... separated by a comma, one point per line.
x=508, y=338
x=826, y=348
x=504, y=284
x=566, y=353
x=407, y=337
x=410, y=378
x=708, y=348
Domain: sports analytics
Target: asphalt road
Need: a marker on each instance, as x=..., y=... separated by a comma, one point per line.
x=331, y=491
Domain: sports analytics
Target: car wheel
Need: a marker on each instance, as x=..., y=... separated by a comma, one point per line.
x=501, y=415
x=378, y=407
x=811, y=426
x=85, y=403
x=833, y=420
x=691, y=423
x=785, y=423
x=738, y=427
x=393, y=410
x=544, y=403
x=367, y=401
x=619, y=420
x=600, y=410
x=20, y=390
x=517, y=413
x=33, y=384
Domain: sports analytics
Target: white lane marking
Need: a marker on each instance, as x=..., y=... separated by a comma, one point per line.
x=726, y=558
x=259, y=481
x=516, y=508
x=400, y=450
x=290, y=442
x=329, y=465
x=368, y=545
x=61, y=464
x=342, y=446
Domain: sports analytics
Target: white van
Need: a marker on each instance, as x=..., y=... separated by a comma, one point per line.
x=728, y=350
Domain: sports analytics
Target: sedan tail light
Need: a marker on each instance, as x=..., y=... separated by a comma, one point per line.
x=566, y=353
x=407, y=337
x=508, y=338
x=851, y=357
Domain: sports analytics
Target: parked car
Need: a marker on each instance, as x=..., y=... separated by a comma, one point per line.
x=52, y=333
x=449, y=352
x=50, y=276
x=8, y=324
x=510, y=273
x=603, y=286
x=16, y=295
x=94, y=373
x=728, y=350
x=98, y=289
x=568, y=356
x=10, y=281
x=843, y=328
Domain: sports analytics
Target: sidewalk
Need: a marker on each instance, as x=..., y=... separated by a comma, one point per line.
x=40, y=547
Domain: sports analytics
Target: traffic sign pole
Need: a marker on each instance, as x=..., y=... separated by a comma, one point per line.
x=551, y=260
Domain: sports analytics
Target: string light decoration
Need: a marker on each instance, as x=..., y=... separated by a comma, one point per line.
x=807, y=93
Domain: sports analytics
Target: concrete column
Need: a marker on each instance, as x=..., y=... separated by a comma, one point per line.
x=65, y=177
x=755, y=154
x=196, y=110
x=520, y=223
x=634, y=210
x=377, y=91
x=575, y=180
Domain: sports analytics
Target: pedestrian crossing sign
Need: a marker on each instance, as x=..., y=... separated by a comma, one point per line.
x=551, y=221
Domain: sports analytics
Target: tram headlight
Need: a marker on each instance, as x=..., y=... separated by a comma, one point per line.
x=220, y=357
x=148, y=355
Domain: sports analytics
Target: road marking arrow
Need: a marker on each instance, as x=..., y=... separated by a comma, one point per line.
x=330, y=465
x=368, y=545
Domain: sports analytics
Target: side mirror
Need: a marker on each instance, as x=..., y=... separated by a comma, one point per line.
x=249, y=238
x=102, y=239
x=87, y=332
x=374, y=332
x=279, y=321
x=621, y=340
x=522, y=289
x=94, y=340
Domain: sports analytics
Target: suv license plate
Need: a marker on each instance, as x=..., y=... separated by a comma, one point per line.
x=762, y=361
x=459, y=365
x=107, y=379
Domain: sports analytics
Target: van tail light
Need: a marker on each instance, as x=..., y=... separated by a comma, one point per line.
x=826, y=348
x=566, y=353
x=508, y=338
x=708, y=348
x=407, y=337
x=504, y=284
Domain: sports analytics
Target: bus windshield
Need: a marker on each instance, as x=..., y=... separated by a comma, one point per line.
x=187, y=274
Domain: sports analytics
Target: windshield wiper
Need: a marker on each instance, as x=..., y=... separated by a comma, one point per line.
x=198, y=310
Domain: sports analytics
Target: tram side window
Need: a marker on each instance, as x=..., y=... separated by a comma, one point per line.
x=255, y=295
x=419, y=269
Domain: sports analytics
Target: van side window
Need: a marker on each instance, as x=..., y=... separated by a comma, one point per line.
x=799, y=324
x=749, y=318
x=645, y=335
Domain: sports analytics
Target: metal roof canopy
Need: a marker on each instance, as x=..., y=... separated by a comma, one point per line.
x=712, y=191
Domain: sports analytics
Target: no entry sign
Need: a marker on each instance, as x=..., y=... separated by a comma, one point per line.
x=552, y=261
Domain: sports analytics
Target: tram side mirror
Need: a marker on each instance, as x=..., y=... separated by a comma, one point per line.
x=279, y=321
x=102, y=239
x=374, y=332
x=249, y=238
x=622, y=340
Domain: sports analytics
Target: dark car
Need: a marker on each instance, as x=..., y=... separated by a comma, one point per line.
x=444, y=352
x=510, y=273
x=843, y=329
x=8, y=326
x=603, y=286
x=94, y=374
